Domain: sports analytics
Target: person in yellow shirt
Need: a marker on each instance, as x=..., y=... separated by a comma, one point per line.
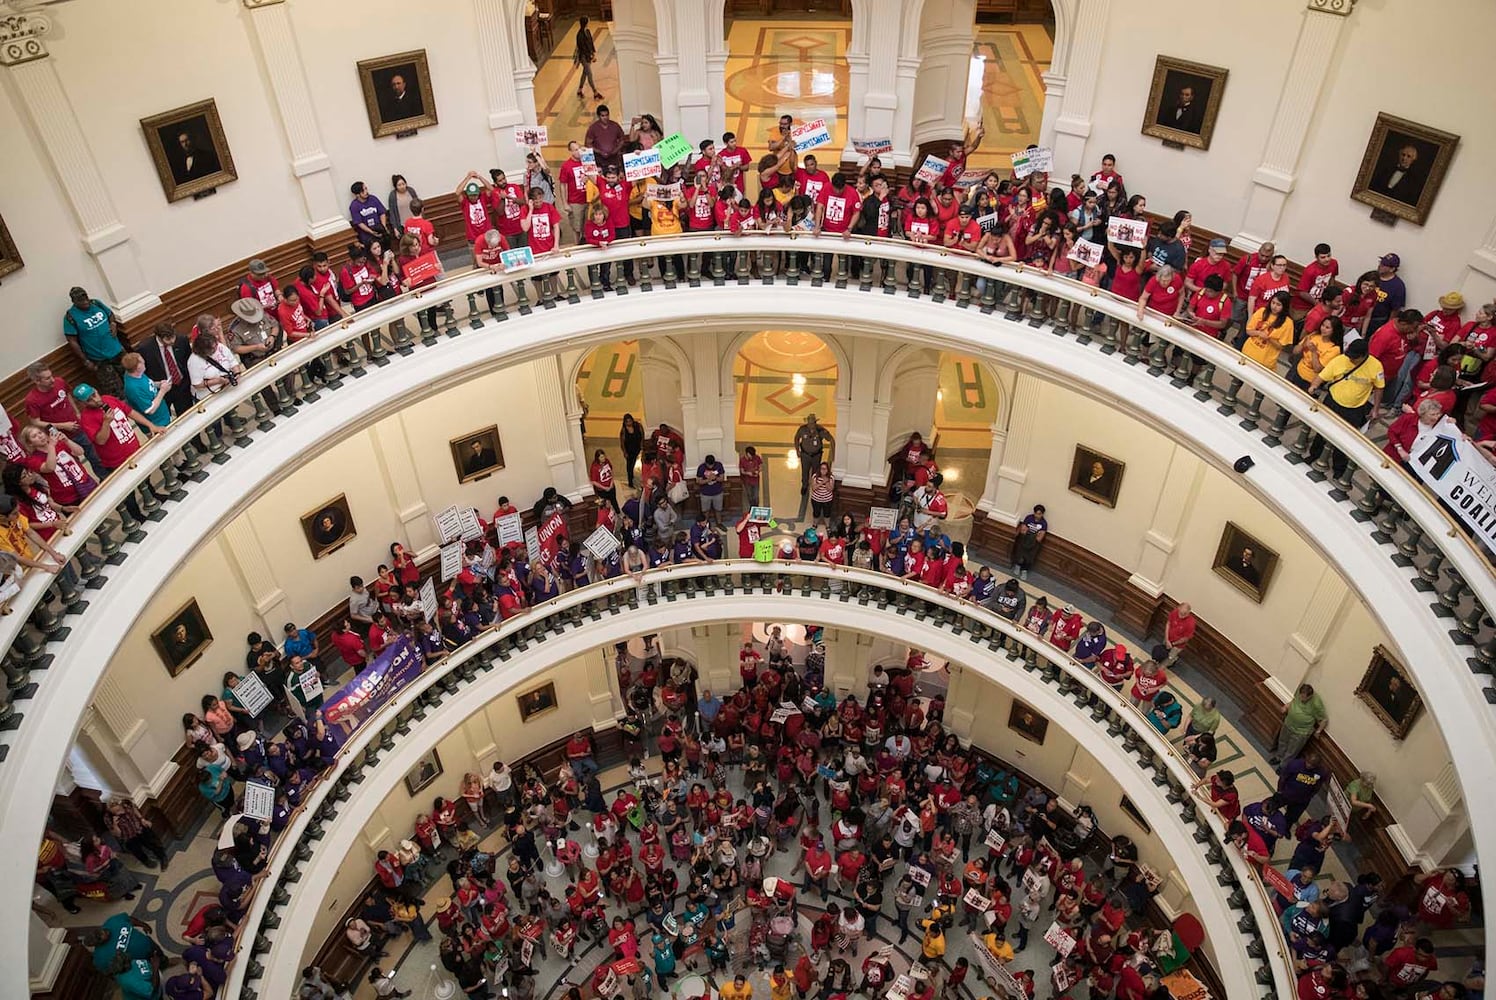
x=1355, y=381
x=664, y=220
x=1317, y=349
x=998, y=946
x=18, y=538
x=1269, y=331
x=738, y=989
x=781, y=986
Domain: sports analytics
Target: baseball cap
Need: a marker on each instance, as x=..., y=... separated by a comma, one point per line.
x=965, y=210
x=1217, y=244
x=83, y=391
x=1390, y=260
x=473, y=189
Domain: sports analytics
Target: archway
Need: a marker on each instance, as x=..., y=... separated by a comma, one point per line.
x=954, y=401
x=551, y=34
x=609, y=384
x=780, y=377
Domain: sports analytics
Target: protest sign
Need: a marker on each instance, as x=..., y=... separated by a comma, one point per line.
x=532, y=544
x=872, y=147
x=994, y=970
x=665, y=192
x=517, y=259
x=1340, y=804
x=259, y=800
x=918, y=970
x=471, y=529
x=602, y=543
x=1059, y=939
x=995, y=841
x=451, y=555
x=763, y=515
x=970, y=178
x=932, y=169
x=252, y=694
x=989, y=223
x=310, y=683
x=1030, y=161
x=1448, y=464
x=422, y=269
x=1087, y=253
x=372, y=687
x=448, y=524
x=810, y=135
x=549, y=535
x=976, y=900
x=428, y=599
x=1065, y=976
x=511, y=529
x=644, y=163
x=586, y=155
x=883, y=518
x=672, y=149
x=919, y=876
x=1278, y=882
x=531, y=135
x=1184, y=986
x=1127, y=232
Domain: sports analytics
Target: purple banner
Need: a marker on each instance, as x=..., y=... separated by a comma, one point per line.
x=355, y=702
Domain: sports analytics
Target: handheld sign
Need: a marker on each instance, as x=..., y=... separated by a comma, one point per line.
x=883, y=518
x=919, y=876
x=665, y=192
x=602, y=543
x=311, y=683
x=645, y=163
x=451, y=560
x=872, y=147
x=252, y=694
x=976, y=900
x=1278, y=882
x=1065, y=976
x=1340, y=803
x=517, y=259
x=970, y=178
x=1038, y=160
x=763, y=550
x=932, y=169
x=422, y=269
x=1087, y=253
x=995, y=841
x=1127, y=232
x=532, y=544
x=448, y=524
x=762, y=515
x=531, y=135
x=471, y=529
x=988, y=223
x=428, y=599
x=259, y=800
x=511, y=529
x=810, y=135
x=1059, y=939
x=588, y=157
x=672, y=149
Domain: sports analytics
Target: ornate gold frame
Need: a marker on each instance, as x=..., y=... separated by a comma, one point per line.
x=1385, y=123
x=151, y=127
x=1161, y=68
x=366, y=70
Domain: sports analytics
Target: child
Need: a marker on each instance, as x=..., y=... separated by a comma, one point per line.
x=598, y=233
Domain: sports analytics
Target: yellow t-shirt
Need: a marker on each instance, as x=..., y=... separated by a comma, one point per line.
x=731, y=991
x=664, y=220
x=782, y=990
x=1000, y=950
x=1351, y=384
x=1321, y=348
x=14, y=537
x=1279, y=337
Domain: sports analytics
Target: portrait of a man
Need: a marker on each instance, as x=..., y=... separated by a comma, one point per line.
x=183, y=638
x=424, y=773
x=1403, y=167
x=537, y=701
x=1244, y=562
x=189, y=150
x=1386, y=689
x=397, y=93
x=1027, y=722
x=1183, y=102
x=329, y=527
x=1095, y=476
x=477, y=455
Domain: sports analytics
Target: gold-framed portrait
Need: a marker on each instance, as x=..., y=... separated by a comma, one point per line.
x=537, y=701
x=1027, y=722
x=1403, y=167
x=189, y=150
x=329, y=526
x=397, y=93
x=1184, y=101
x=427, y=770
x=1388, y=691
x=183, y=638
x=477, y=455
x=1244, y=562
x=10, y=257
x=1095, y=476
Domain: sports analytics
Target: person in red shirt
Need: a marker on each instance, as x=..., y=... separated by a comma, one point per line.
x=1163, y=293
x=1214, y=262
x=1319, y=274
x=292, y=316
x=507, y=207
x=1210, y=310
x=49, y=402
x=320, y=306
x=963, y=233
x=1441, y=898
x=573, y=182
x=1404, y=430
x=111, y=425
x=1220, y=791
x=420, y=226
x=259, y=285
x=1065, y=627
x=358, y=277
x=1410, y=964
x=542, y=223
x=810, y=179
x=1359, y=301
x=1115, y=666
x=1331, y=303
x=348, y=644
x=472, y=201
x=1392, y=345
x=1248, y=269
x=1179, y=629
x=699, y=204
x=488, y=253
x=734, y=159
x=613, y=194
x=1324, y=983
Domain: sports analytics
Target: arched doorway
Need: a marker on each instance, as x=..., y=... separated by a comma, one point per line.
x=780, y=377
x=953, y=401
x=1005, y=83
x=610, y=383
x=558, y=76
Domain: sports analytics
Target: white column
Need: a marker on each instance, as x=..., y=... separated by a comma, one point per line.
x=691, y=57
x=124, y=741
x=1176, y=499
x=1308, y=639
x=706, y=376
x=1435, y=825
x=46, y=106
x=690, y=429
x=635, y=44
x=884, y=63
x=1273, y=180
x=552, y=420
x=1479, y=282
x=602, y=687
x=1005, y=488
x=961, y=701
x=47, y=949
x=397, y=461
x=857, y=427
x=276, y=40
x=1054, y=100
x=241, y=543
x=1083, y=66
x=508, y=74
x=945, y=50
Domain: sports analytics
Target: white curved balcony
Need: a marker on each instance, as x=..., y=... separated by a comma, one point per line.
x=1206, y=417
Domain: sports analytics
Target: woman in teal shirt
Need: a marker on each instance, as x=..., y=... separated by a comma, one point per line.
x=143, y=394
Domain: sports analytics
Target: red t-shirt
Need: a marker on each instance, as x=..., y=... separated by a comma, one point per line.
x=1266, y=286
x=835, y=551
x=885, y=215
x=1406, y=967
x=1127, y=284
x=545, y=223
x=51, y=406
x=966, y=237
x=475, y=218
x=508, y=205
x=1164, y=298
x=358, y=283
x=1247, y=271
x=812, y=184
x=423, y=229
x=64, y=479
x=736, y=159
x=492, y=256
x=615, y=197
x=574, y=182
x=748, y=535
x=699, y=214
x=294, y=320
x=262, y=291
x=1203, y=268
x=1486, y=429
x=1315, y=280
x=1389, y=347
x=311, y=300
x=1210, y=307
x=598, y=235
x=121, y=442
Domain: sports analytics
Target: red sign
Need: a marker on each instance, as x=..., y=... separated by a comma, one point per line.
x=422, y=270
x=549, y=535
x=627, y=966
x=1278, y=882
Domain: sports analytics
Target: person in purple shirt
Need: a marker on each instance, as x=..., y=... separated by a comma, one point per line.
x=1266, y=817
x=711, y=475
x=681, y=551
x=1298, y=783
x=189, y=985
x=659, y=553
x=705, y=542
x=1091, y=644
x=367, y=214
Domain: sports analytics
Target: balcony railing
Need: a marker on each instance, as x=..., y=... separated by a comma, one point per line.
x=1424, y=548
x=691, y=591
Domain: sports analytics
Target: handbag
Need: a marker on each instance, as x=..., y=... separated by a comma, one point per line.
x=679, y=492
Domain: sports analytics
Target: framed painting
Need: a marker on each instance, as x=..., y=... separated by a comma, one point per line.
x=1244, y=562
x=477, y=455
x=1095, y=476
x=1027, y=722
x=1403, y=167
x=397, y=93
x=329, y=526
x=1389, y=693
x=1183, y=102
x=427, y=770
x=183, y=638
x=537, y=701
x=1135, y=814
x=10, y=257
x=189, y=150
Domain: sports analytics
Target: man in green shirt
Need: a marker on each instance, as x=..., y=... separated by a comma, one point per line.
x=1305, y=716
x=92, y=331
x=120, y=935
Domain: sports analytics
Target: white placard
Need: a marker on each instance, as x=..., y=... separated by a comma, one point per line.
x=602, y=543
x=451, y=560
x=1059, y=939
x=1087, y=253
x=448, y=524
x=532, y=544
x=645, y=163
x=995, y=841
x=1448, y=464
x=471, y=527
x=428, y=599
x=310, y=683
x=883, y=518
x=809, y=704
x=517, y=258
x=252, y=694
x=259, y=800
x=989, y=223
x=918, y=971
x=1127, y=232
x=995, y=970
x=761, y=515
x=526, y=951
x=511, y=529
x=1340, y=803
x=872, y=147
x=970, y=178
x=1029, y=161
x=932, y=169
x=810, y=135
x=1065, y=976
x=780, y=714
x=665, y=192
x=587, y=156
x=976, y=900
x=531, y=135
x=919, y=876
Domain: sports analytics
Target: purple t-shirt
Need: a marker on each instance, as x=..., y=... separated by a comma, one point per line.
x=367, y=212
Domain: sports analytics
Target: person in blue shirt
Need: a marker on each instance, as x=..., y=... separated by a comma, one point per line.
x=300, y=642
x=119, y=935
x=708, y=706
x=705, y=541
x=92, y=331
x=1166, y=713
x=144, y=395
